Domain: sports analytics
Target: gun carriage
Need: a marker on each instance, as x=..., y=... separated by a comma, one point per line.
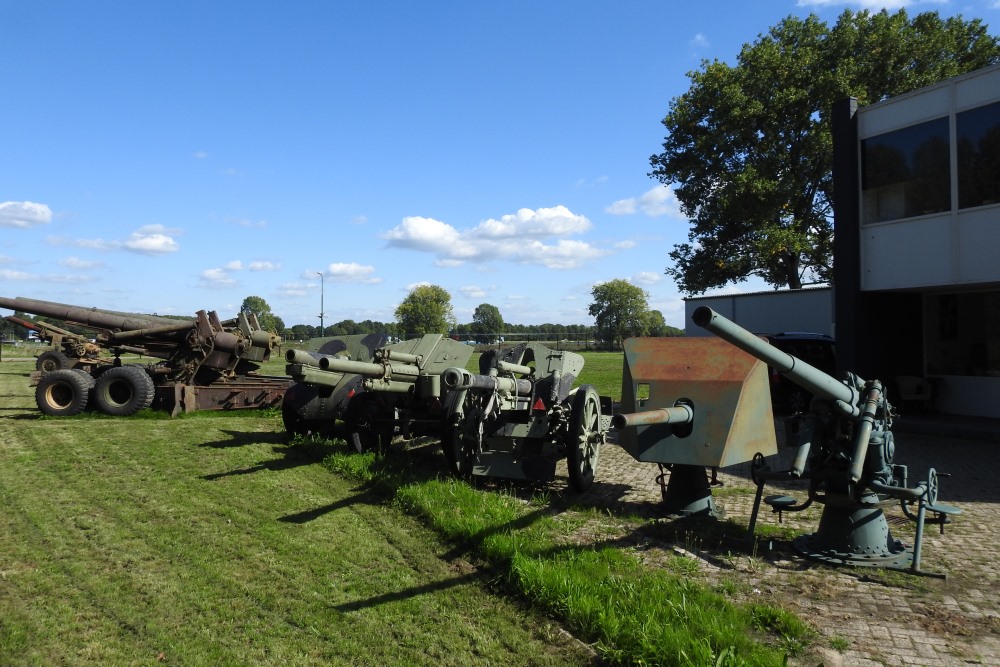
x=846, y=452
x=207, y=363
x=520, y=415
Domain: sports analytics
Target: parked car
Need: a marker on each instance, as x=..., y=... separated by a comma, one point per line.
x=818, y=350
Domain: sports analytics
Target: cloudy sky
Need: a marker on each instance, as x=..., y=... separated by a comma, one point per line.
x=176, y=156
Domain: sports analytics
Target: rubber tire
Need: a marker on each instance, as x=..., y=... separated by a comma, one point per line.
x=123, y=391
x=52, y=360
x=64, y=392
x=582, y=455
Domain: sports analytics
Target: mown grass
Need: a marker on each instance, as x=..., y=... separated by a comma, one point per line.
x=631, y=613
x=210, y=540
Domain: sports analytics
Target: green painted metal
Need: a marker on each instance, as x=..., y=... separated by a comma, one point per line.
x=846, y=449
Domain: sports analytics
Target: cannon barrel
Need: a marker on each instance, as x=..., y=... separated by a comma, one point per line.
x=808, y=377
x=294, y=356
x=459, y=378
x=87, y=317
x=679, y=414
x=395, y=371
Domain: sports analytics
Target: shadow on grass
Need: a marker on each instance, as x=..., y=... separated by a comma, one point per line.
x=289, y=455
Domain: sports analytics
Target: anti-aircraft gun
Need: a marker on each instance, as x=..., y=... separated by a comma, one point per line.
x=207, y=363
x=516, y=421
x=690, y=405
x=846, y=451
x=397, y=391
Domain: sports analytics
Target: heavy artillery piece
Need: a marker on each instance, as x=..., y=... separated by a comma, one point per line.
x=516, y=421
x=397, y=391
x=690, y=405
x=846, y=451
x=206, y=363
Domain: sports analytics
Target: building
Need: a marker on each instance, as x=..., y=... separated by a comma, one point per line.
x=917, y=240
x=772, y=311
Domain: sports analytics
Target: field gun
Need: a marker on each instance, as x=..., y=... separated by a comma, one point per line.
x=70, y=349
x=207, y=363
x=691, y=405
x=846, y=451
x=520, y=415
x=376, y=394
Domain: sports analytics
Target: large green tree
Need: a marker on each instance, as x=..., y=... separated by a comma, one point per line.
x=486, y=322
x=259, y=307
x=620, y=309
x=748, y=147
x=426, y=309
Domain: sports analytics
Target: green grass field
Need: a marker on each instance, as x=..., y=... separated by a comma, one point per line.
x=210, y=539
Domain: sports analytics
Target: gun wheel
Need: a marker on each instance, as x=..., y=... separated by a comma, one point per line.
x=583, y=446
x=458, y=438
x=123, y=390
x=52, y=360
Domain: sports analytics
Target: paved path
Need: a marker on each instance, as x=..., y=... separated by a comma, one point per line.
x=873, y=620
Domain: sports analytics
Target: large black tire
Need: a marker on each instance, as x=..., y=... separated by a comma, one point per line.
x=583, y=444
x=123, y=390
x=64, y=392
x=52, y=360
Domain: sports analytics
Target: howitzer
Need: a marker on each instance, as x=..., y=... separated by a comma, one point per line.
x=502, y=425
x=690, y=405
x=846, y=451
x=206, y=363
x=388, y=390
x=71, y=349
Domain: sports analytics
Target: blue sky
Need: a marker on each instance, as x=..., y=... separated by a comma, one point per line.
x=175, y=156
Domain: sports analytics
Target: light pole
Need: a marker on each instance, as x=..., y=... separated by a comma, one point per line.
x=321, y=283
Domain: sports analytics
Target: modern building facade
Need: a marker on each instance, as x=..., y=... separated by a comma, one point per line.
x=917, y=240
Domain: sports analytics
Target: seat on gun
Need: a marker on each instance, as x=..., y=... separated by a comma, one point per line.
x=914, y=389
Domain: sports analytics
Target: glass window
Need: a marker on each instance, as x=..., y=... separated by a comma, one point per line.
x=978, y=137
x=906, y=172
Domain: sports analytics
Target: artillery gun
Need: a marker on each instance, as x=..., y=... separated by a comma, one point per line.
x=69, y=349
x=206, y=363
x=690, y=405
x=846, y=451
x=520, y=416
x=397, y=391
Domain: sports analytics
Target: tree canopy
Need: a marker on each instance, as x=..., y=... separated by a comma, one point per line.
x=749, y=151
x=259, y=307
x=426, y=309
x=620, y=309
x=486, y=322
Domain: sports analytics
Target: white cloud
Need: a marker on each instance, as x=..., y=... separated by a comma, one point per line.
x=234, y=265
x=514, y=238
x=265, y=266
x=352, y=273
x=151, y=240
x=77, y=263
x=627, y=244
x=293, y=290
x=24, y=214
x=200, y=155
x=472, y=291
x=7, y=274
x=245, y=222
x=699, y=41
x=655, y=202
x=646, y=278
x=216, y=278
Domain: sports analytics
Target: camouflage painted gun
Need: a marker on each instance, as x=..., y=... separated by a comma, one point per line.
x=690, y=404
x=207, y=363
x=520, y=416
x=846, y=450
x=397, y=392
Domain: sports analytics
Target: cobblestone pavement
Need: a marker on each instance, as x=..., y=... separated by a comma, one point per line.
x=865, y=617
